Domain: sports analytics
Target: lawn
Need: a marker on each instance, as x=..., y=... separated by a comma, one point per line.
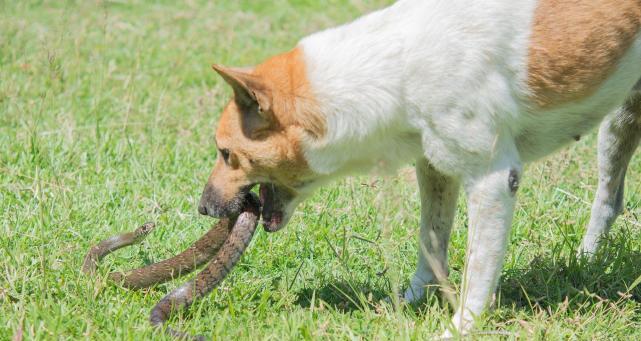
x=107, y=113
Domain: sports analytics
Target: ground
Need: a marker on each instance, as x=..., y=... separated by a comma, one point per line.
x=107, y=113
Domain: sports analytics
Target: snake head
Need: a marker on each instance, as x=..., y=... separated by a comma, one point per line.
x=251, y=204
x=144, y=230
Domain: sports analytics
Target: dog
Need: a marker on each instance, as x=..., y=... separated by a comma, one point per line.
x=468, y=90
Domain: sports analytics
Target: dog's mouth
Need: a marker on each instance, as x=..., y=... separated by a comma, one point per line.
x=274, y=201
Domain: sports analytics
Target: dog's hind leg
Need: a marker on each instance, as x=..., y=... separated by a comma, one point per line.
x=618, y=139
x=439, y=195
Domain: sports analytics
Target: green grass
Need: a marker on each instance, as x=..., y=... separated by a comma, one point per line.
x=107, y=113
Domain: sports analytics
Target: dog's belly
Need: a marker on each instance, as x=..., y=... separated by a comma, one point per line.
x=539, y=140
x=544, y=131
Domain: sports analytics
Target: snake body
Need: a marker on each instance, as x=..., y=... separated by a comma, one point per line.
x=109, y=245
x=196, y=255
x=229, y=254
x=224, y=244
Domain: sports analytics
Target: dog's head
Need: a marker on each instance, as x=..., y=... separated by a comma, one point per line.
x=260, y=139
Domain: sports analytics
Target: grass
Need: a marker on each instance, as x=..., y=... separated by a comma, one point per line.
x=107, y=112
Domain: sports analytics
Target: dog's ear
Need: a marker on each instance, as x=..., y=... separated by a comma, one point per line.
x=252, y=96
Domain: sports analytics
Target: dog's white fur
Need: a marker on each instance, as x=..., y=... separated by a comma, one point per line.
x=442, y=83
x=619, y=137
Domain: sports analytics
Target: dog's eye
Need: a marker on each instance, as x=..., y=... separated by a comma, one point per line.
x=225, y=154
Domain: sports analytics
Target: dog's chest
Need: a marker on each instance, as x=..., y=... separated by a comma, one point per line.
x=381, y=153
x=544, y=137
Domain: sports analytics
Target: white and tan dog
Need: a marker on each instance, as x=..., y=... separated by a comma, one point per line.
x=468, y=90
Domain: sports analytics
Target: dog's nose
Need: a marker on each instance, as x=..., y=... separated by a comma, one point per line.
x=202, y=209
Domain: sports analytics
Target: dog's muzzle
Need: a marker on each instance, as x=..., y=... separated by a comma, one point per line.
x=213, y=205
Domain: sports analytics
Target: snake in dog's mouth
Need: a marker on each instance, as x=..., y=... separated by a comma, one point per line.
x=222, y=246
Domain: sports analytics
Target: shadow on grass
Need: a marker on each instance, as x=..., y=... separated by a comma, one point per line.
x=552, y=279
x=341, y=296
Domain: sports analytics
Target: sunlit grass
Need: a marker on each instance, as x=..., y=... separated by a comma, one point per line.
x=107, y=112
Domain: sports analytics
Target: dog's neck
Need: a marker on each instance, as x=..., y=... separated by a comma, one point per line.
x=356, y=73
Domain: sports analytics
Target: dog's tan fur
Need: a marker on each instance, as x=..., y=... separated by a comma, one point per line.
x=294, y=102
x=575, y=46
x=266, y=145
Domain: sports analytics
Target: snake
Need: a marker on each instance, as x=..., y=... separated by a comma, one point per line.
x=222, y=246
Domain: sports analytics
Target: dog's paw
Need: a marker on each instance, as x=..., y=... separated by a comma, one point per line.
x=447, y=335
x=461, y=326
x=416, y=291
x=390, y=300
x=414, y=294
x=588, y=248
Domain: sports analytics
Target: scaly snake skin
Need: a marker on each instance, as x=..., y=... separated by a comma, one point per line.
x=109, y=245
x=196, y=255
x=224, y=244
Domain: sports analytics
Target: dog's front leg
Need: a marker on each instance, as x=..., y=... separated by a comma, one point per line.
x=491, y=197
x=438, y=206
